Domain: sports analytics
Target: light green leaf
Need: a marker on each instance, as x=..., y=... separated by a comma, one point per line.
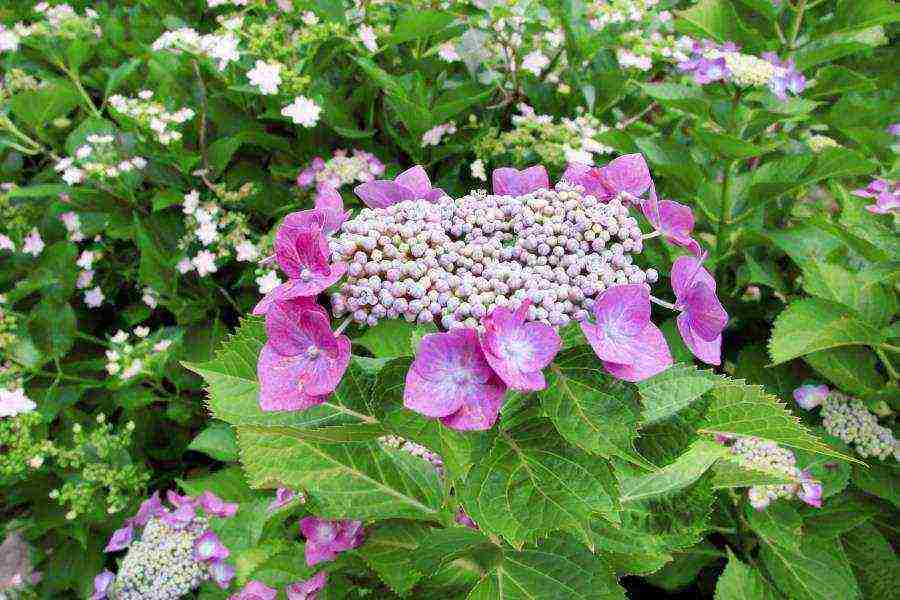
x=229, y=484
x=686, y=470
x=834, y=79
x=741, y=582
x=218, y=441
x=677, y=387
x=728, y=146
x=391, y=338
x=778, y=525
x=390, y=550
x=880, y=479
x=714, y=20
x=813, y=324
x=417, y=24
x=818, y=571
x=687, y=98
x=873, y=560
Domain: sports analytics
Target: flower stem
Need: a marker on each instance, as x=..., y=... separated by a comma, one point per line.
x=795, y=27
x=651, y=235
x=725, y=213
x=663, y=303
x=342, y=326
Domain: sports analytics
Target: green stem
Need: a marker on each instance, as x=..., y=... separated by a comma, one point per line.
x=795, y=26
x=73, y=76
x=725, y=214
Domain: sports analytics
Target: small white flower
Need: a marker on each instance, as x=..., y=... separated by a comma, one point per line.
x=83, y=152
x=184, y=265
x=447, y=52
x=139, y=162
x=112, y=355
x=9, y=40
x=112, y=368
x=33, y=243
x=477, y=169
x=141, y=331
x=246, y=251
x=268, y=282
x=162, y=345
x=73, y=175
x=132, y=369
x=267, y=76
x=302, y=111
x=309, y=18
x=433, y=136
x=85, y=278
x=145, y=94
x=368, y=38
x=15, y=402
x=191, y=202
x=205, y=263
x=120, y=338
x=86, y=260
x=150, y=297
x=94, y=297
x=207, y=232
x=535, y=62
x=6, y=243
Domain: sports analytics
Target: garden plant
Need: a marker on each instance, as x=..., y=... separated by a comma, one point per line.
x=449, y=299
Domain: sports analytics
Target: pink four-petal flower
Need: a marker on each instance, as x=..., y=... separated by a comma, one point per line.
x=702, y=317
x=325, y=539
x=508, y=181
x=411, y=184
x=516, y=350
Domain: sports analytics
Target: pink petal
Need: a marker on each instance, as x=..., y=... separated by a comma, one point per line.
x=296, y=288
x=381, y=193
x=278, y=383
x=628, y=173
x=706, y=315
x=588, y=177
x=415, y=179
x=687, y=270
x=434, y=194
x=517, y=351
x=299, y=244
x=654, y=359
x=709, y=352
x=622, y=312
x=330, y=203
x=429, y=398
x=480, y=414
x=513, y=182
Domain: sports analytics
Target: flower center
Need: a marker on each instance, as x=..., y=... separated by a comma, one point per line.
x=313, y=352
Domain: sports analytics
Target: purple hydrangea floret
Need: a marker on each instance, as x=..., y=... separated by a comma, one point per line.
x=673, y=220
x=810, y=490
x=627, y=176
x=255, y=590
x=283, y=497
x=181, y=517
x=101, y=584
x=120, y=539
x=517, y=350
x=222, y=573
x=302, y=252
x=508, y=181
x=325, y=539
x=886, y=194
x=307, y=589
x=452, y=380
x=215, y=506
x=207, y=547
x=810, y=395
x=331, y=205
x=151, y=507
x=411, y=184
x=702, y=318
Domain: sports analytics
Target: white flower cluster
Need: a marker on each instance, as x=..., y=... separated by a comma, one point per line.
x=222, y=48
x=818, y=143
x=266, y=76
x=97, y=159
x=161, y=565
x=746, y=69
x=13, y=401
x=72, y=222
x=393, y=441
x=152, y=115
x=58, y=21
x=458, y=259
x=341, y=169
x=433, y=136
x=127, y=358
x=850, y=420
x=302, y=111
x=150, y=297
x=767, y=456
x=215, y=229
x=93, y=297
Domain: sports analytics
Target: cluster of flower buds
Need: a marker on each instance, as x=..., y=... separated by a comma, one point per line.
x=767, y=456
x=417, y=450
x=127, y=357
x=848, y=419
x=152, y=115
x=176, y=551
x=340, y=170
x=712, y=62
x=886, y=194
x=218, y=233
x=58, y=21
x=220, y=47
x=99, y=160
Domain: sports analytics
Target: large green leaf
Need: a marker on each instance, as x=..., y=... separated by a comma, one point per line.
x=818, y=571
x=686, y=470
x=741, y=582
x=677, y=387
x=873, y=560
x=390, y=550
x=851, y=368
x=345, y=469
x=715, y=20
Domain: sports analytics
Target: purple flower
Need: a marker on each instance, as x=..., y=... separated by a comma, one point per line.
x=177, y=500
x=181, y=517
x=886, y=194
x=301, y=303
x=411, y=184
x=307, y=590
x=215, y=506
x=302, y=253
x=452, y=380
x=463, y=519
x=810, y=396
x=675, y=221
x=222, y=573
x=627, y=174
x=331, y=205
x=623, y=337
x=101, y=584
x=894, y=129
x=702, y=317
x=120, y=539
x=326, y=539
x=151, y=507
x=302, y=361
x=705, y=70
x=308, y=175
x=587, y=177
x=255, y=590
x=810, y=490
x=513, y=182
x=208, y=547
x=516, y=350
x=283, y=497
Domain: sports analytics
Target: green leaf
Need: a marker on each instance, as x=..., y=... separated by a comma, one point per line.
x=391, y=338
x=727, y=146
x=714, y=20
x=742, y=410
x=813, y=324
x=851, y=368
x=838, y=515
x=52, y=327
x=856, y=16
x=729, y=473
x=40, y=190
x=873, y=560
x=442, y=546
x=677, y=387
x=229, y=484
x=417, y=24
x=687, y=98
x=390, y=550
x=345, y=469
x=833, y=80
x=833, y=163
x=590, y=409
x=154, y=269
x=685, y=567
x=871, y=300
x=217, y=441
x=879, y=479
x=741, y=582
x=818, y=571
x=38, y=108
x=221, y=151
x=686, y=470
x=118, y=75
x=778, y=525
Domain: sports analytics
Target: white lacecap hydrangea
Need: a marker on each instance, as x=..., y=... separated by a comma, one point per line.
x=456, y=260
x=850, y=420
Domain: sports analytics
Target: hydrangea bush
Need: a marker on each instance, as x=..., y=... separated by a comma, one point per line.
x=483, y=299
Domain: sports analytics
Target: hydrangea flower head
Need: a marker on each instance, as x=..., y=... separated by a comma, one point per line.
x=452, y=380
x=302, y=361
x=208, y=547
x=307, y=589
x=101, y=584
x=623, y=337
x=513, y=182
x=255, y=590
x=411, y=184
x=702, y=317
x=120, y=539
x=810, y=395
x=516, y=350
x=326, y=539
x=215, y=506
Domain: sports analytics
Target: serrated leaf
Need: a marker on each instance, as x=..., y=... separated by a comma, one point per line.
x=349, y=474
x=728, y=146
x=818, y=571
x=590, y=409
x=686, y=470
x=627, y=552
x=873, y=560
x=441, y=547
x=217, y=441
x=685, y=567
x=677, y=387
x=851, y=368
x=813, y=324
x=229, y=484
x=390, y=550
x=741, y=582
x=779, y=524
x=392, y=338
x=690, y=99
x=837, y=515
x=52, y=326
x=728, y=473
x=879, y=479
x=871, y=300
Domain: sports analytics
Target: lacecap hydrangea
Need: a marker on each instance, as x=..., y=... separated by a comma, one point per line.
x=497, y=273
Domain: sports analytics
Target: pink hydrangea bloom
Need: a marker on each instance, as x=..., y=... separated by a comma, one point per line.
x=452, y=380
x=180, y=517
x=151, y=507
x=516, y=350
x=326, y=539
x=208, y=547
x=283, y=497
x=810, y=396
x=675, y=221
x=302, y=361
x=513, y=182
x=588, y=177
x=307, y=589
x=255, y=590
x=626, y=174
x=302, y=252
x=810, y=490
x=630, y=346
x=331, y=205
x=411, y=184
x=886, y=194
x=222, y=573
x=702, y=317
x=120, y=539
x=101, y=584
x=215, y=506
x=177, y=500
